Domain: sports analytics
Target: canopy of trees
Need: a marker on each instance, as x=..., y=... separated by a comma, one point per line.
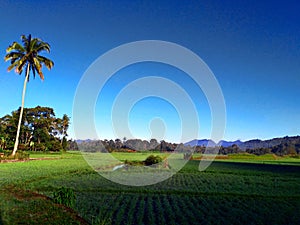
x=129, y=145
x=40, y=130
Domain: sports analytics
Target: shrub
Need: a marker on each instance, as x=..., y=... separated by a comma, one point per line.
x=64, y=196
x=152, y=159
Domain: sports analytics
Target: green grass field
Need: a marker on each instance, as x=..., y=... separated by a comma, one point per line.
x=230, y=191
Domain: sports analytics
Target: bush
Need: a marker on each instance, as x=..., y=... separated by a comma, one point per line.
x=64, y=196
x=152, y=159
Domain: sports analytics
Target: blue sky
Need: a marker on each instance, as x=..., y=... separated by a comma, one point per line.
x=252, y=47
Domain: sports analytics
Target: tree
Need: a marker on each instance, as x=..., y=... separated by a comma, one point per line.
x=65, y=126
x=27, y=55
x=60, y=127
x=39, y=129
x=152, y=159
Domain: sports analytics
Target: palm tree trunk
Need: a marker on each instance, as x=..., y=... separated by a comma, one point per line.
x=21, y=111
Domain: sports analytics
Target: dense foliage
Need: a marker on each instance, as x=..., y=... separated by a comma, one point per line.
x=152, y=159
x=40, y=130
x=129, y=145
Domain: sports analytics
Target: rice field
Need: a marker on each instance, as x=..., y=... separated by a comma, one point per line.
x=228, y=192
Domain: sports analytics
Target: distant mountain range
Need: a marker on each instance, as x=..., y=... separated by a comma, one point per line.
x=251, y=144
x=210, y=143
x=79, y=141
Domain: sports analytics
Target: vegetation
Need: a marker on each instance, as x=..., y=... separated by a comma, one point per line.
x=40, y=130
x=27, y=55
x=64, y=196
x=6, y=156
x=226, y=193
x=149, y=161
x=278, y=146
x=129, y=145
x=152, y=159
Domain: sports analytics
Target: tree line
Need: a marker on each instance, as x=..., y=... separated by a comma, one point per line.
x=287, y=146
x=127, y=145
x=40, y=130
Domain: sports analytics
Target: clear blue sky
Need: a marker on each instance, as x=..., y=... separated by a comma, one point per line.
x=252, y=47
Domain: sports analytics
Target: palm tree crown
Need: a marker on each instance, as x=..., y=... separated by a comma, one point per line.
x=28, y=54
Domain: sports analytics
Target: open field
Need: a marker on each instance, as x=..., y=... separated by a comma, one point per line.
x=251, y=158
x=228, y=192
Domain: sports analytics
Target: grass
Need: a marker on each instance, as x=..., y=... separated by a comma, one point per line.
x=21, y=207
x=230, y=191
x=140, y=156
x=251, y=158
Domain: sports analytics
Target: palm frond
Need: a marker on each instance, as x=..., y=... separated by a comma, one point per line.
x=38, y=67
x=42, y=46
x=33, y=45
x=26, y=41
x=15, y=64
x=32, y=68
x=13, y=56
x=47, y=62
x=12, y=61
x=15, y=46
x=19, y=69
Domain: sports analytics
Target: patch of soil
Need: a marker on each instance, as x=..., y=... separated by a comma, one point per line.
x=45, y=158
x=25, y=160
x=13, y=160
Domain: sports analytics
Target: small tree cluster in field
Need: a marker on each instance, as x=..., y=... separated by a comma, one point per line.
x=152, y=159
x=40, y=130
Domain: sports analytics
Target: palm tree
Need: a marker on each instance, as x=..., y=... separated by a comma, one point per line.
x=27, y=55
